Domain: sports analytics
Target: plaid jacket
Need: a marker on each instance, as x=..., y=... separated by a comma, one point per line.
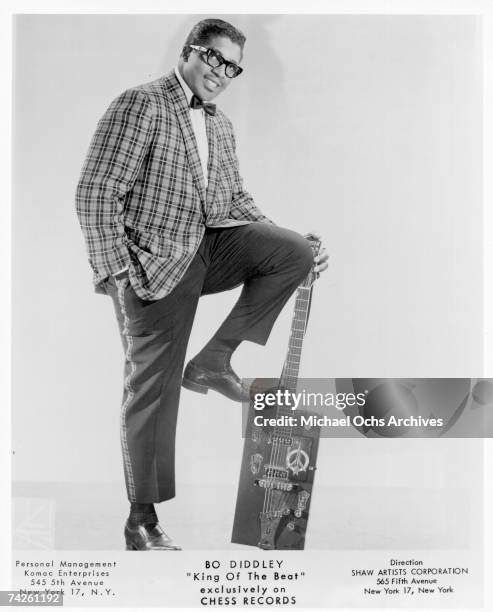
x=141, y=198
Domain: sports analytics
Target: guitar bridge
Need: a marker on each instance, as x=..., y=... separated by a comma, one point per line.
x=277, y=485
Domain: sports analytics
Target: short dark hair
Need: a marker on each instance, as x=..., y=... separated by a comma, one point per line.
x=204, y=30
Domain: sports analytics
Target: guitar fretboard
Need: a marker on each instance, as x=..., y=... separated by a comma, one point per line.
x=291, y=369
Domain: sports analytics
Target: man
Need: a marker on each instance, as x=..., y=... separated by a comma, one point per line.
x=166, y=219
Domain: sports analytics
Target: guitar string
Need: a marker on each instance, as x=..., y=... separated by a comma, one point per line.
x=273, y=466
x=276, y=452
x=274, y=494
x=296, y=363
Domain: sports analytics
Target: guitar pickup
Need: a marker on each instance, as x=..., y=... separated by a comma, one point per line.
x=274, y=471
x=280, y=439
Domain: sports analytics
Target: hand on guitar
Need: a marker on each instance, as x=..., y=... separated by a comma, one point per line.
x=321, y=260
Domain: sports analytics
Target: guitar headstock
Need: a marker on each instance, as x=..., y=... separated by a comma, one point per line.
x=316, y=244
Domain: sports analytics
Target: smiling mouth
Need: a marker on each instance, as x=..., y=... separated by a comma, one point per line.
x=211, y=83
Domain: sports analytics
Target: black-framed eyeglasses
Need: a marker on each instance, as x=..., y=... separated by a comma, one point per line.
x=214, y=59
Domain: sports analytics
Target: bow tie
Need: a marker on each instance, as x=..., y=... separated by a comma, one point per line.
x=209, y=108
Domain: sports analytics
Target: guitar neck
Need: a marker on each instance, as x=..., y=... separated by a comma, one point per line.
x=290, y=372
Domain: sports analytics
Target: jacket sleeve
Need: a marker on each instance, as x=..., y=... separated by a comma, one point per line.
x=114, y=160
x=242, y=205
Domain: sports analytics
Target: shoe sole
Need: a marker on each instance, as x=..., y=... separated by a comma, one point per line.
x=198, y=388
x=193, y=386
x=130, y=547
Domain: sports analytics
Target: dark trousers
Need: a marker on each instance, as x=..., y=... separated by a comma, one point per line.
x=269, y=261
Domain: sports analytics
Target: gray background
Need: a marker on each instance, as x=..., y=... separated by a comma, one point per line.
x=364, y=128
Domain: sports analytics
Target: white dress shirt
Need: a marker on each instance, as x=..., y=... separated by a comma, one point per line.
x=197, y=117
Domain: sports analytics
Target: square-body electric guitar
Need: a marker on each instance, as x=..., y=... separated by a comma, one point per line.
x=279, y=459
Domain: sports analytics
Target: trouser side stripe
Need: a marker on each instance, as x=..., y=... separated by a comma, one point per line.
x=121, y=284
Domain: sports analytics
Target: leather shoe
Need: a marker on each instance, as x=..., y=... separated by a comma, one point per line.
x=147, y=536
x=225, y=381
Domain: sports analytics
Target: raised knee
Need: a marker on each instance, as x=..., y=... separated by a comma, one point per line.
x=302, y=254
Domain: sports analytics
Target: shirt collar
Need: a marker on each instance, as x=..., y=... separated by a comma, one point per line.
x=184, y=86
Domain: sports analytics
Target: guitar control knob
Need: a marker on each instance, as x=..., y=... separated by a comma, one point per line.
x=297, y=513
x=290, y=526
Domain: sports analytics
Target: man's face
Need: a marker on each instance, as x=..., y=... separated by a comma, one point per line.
x=207, y=82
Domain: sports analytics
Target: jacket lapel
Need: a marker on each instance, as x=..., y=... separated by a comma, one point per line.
x=183, y=115
x=213, y=161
